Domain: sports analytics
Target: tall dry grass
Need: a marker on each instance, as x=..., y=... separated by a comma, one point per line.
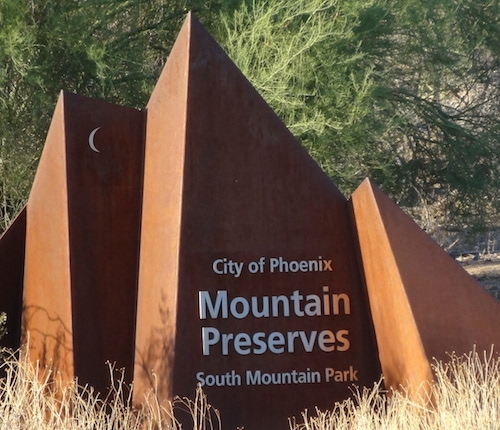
x=466, y=396
x=32, y=398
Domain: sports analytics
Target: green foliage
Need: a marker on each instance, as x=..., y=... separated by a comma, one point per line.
x=405, y=92
x=438, y=80
x=112, y=50
x=16, y=45
x=296, y=55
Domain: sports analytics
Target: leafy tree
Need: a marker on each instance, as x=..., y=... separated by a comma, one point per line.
x=436, y=74
x=112, y=50
x=404, y=91
x=16, y=157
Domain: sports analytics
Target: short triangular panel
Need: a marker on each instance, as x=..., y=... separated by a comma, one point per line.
x=12, y=247
x=423, y=304
x=83, y=223
x=248, y=278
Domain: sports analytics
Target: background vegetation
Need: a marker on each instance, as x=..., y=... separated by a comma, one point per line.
x=404, y=91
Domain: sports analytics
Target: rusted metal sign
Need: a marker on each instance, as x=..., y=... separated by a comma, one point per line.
x=203, y=246
x=249, y=283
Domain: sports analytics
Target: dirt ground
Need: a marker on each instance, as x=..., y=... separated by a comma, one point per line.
x=486, y=270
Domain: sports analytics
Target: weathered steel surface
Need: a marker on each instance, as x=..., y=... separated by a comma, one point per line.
x=224, y=179
x=47, y=286
x=423, y=304
x=82, y=245
x=12, y=245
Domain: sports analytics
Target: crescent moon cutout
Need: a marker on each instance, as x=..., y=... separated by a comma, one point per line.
x=91, y=139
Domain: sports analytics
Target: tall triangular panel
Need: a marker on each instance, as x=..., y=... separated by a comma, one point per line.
x=423, y=304
x=249, y=283
x=82, y=240
x=47, y=297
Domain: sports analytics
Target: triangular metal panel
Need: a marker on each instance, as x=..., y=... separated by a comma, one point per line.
x=229, y=191
x=424, y=304
x=83, y=226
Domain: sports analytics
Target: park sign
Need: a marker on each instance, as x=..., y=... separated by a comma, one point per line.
x=249, y=283
x=196, y=243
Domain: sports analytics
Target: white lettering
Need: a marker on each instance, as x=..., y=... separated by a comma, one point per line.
x=308, y=342
x=257, y=377
x=239, y=307
x=209, y=336
x=281, y=265
x=220, y=305
x=223, y=266
x=213, y=342
x=229, y=379
x=245, y=307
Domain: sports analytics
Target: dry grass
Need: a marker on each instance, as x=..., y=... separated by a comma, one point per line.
x=466, y=393
x=36, y=399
